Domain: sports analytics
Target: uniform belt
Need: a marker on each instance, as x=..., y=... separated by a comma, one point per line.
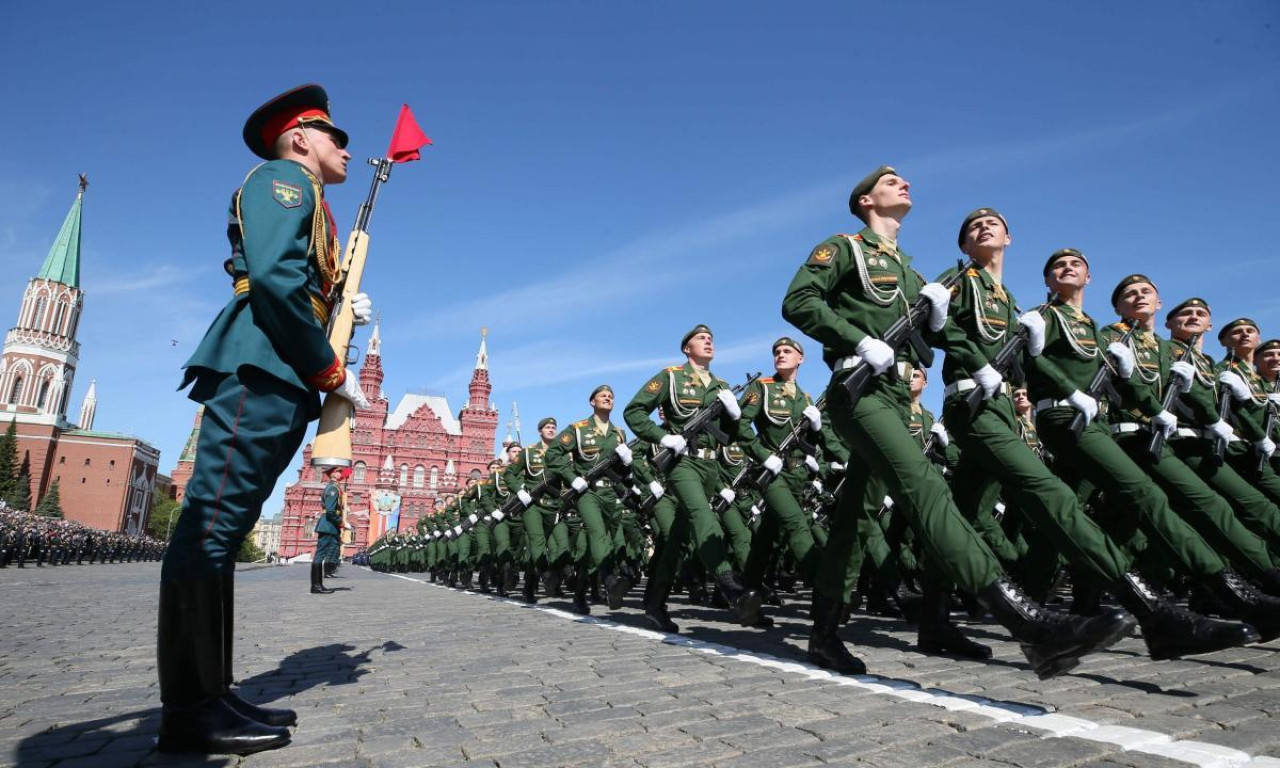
x=1045, y=405
x=703, y=453
x=1191, y=432
x=601, y=483
x=846, y=363
x=1126, y=428
x=965, y=385
x=318, y=306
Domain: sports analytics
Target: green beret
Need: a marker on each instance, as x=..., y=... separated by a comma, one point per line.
x=964, y=225
x=598, y=390
x=1125, y=283
x=1192, y=302
x=787, y=341
x=863, y=187
x=545, y=422
x=1058, y=254
x=1239, y=321
x=1267, y=346
x=694, y=331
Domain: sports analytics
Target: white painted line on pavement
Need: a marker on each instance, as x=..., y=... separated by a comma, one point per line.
x=1051, y=725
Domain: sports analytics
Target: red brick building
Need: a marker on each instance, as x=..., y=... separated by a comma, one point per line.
x=420, y=448
x=105, y=480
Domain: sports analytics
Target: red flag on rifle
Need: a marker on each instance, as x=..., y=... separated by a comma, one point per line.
x=407, y=139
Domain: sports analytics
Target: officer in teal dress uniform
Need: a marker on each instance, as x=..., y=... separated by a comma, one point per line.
x=258, y=372
x=329, y=529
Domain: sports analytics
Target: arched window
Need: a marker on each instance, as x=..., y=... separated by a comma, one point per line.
x=16, y=392
x=419, y=476
x=37, y=319
x=44, y=395
x=404, y=475
x=435, y=477
x=357, y=473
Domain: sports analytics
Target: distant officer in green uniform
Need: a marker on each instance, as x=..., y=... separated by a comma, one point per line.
x=1268, y=357
x=681, y=391
x=508, y=533
x=539, y=517
x=848, y=293
x=258, y=372
x=1252, y=456
x=328, y=528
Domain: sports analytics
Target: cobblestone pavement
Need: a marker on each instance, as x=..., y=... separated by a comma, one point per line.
x=391, y=671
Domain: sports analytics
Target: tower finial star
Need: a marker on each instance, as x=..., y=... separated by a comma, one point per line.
x=84, y=182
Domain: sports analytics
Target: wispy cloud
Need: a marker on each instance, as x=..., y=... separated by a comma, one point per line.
x=149, y=278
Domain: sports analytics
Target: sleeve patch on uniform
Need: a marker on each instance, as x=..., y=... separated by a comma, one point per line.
x=566, y=438
x=653, y=386
x=286, y=194
x=753, y=397
x=822, y=255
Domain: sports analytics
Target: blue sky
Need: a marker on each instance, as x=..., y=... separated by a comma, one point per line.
x=606, y=175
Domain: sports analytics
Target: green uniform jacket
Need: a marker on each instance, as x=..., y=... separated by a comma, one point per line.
x=1153, y=356
x=1199, y=407
x=1248, y=417
x=331, y=521
x=772, y=413
x=579, y=447
x=679, y=392
x=527, y=471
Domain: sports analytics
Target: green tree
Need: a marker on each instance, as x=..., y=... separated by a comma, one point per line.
x=51, y=504
x=164, y=515
x=20, y=495
x=8, y=460
x=249, y=552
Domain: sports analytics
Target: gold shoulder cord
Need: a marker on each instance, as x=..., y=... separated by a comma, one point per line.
x=325, y=251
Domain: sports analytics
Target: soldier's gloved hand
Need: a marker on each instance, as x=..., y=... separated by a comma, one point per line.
x=656, y=489
x=773, y=464
x=989, y=379
x=939, y=297
x=1274, y=398
x=730, y=402
x=1232, y=381
x=674, y=442
x=579, y=485
x=1165, y=422
x=940, y=435
x=1084, y=404
x=836, y=466
x=1183, y=374
x=623, y=452
x=473, y=518
x=817, y=485
x=812, y=464
x=497, y=516
x=457, y=530
x=1033, y=321
x=728, y=495
x=1123, y=357
x=1266, y=446
x=755, y=511
x=524, y=498
x=814, y=416
x=1222, y=430
x=362, y=308
x=1000, y=508
x=350, y=389
x=876, y=354
x=887, y=503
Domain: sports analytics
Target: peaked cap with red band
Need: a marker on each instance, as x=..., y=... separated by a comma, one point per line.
x=304, y=105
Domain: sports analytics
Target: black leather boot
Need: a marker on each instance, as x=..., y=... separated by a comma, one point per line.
x=826, y=649
x=464, y=578
x=1172, y=632
x=269, y=716
x=486, y=571
x=1246, y=603
x=510, y=576
x=529, y=590
x=500, y=580
x=1052, y=642
x=745, y=603
x=1269, y=582
x=617, y=585
x=655, y=606
x=580, y=604
x=1086, y=596
x=317, y=580
x=196, y=715
x=937, y=634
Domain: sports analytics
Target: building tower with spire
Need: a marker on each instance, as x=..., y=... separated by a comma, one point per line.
x=479, y=420
x=89, y=408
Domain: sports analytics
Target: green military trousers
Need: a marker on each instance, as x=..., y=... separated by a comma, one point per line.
x=1251, y=505
x=327, y=548
x=253, y=424
x=1242, y=457
x=693, y=481
x=782, y=518
x=596, y=509
x=876, y=432
x=539, y=524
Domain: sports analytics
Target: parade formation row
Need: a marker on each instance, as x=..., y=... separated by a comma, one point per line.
x=26, y=537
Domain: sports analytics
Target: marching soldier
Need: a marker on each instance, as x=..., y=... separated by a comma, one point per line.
x=539, y=517
x=328, y=528
x=258, y=372
x=1240, y=379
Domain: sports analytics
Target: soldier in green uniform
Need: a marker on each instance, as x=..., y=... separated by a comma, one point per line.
x=1251, y=456
x=733, y=460
x=1268, y=357
x=539, y=517
x=508, y=533
x=258, y=372
x=580, y=447
x=681, y=391
x=328, y=528
x=849, y=292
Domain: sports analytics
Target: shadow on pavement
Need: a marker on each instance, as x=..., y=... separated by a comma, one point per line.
x=329, y=665
x=125, y=739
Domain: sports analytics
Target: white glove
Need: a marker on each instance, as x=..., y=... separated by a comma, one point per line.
x=989, y=379
x=675, y=442
x=1183, y=373
x=1274, y=397
x=730, y=402
x=1222, y=430
x=656, y=489
x=524, y=497
x=941, y=438
x=624, y=452
x=773, y=464
x=876, y=354
x=836, y=466
x=457, y=530
x=728, y=495
x=362, y=308
x=1232, y=381
x=497, y=515
x=1166, y=422
x=1123, y=357
x=755, y=511
x=887, y=503
x=1266, y=445
x=350, y=389
x=939, y=303
x=812, y=464
x=1033, y=321
x=817, y=486
x=579, y=485
x=473, y=518
x=1000, y=507
x=1084, y=404
x=814, y=416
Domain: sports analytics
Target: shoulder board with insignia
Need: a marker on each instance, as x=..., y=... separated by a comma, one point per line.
x=674, y=367
x=971, y=272
x=723, y=383
x=765, y=380
x=582, y=423
x=855, y=237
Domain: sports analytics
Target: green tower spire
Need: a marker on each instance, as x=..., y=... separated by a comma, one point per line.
x=62, y=265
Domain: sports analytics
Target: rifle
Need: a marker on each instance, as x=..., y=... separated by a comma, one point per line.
x=1007, y=361
x=720, y=506
x=332, y=446
x=601, y=469
x=702, y=421
x=1219, y=453
x=1156, y=446
x=905, y=330
x=764, y=477
x=1101, y=386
